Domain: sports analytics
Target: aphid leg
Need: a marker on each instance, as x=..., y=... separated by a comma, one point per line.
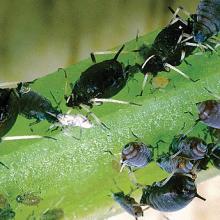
x=200, y=197
x=212, y=93
x=92, y=55
x=210, y=47
x=157, y=146
x=178, y=71
x=57, y=103
x=183, y=55
x=4, y=165
x=144, y=84
x=187, y=63
x=34, y=123
x=167, y=179
x=97, y=100
x=94, y=116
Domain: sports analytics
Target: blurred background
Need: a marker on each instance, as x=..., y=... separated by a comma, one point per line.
x=38, y=36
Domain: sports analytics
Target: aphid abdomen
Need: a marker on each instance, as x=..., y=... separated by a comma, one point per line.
x=101, y=80
x=32, y=105
x=172, y=196
x=136, y=154
x=207, y=21
x=167, y=164
x=209, y=113
x=8, y=110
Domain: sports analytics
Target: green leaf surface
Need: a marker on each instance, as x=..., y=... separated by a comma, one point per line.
x=77, y=176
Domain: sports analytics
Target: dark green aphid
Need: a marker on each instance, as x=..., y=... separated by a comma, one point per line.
x=29, y=199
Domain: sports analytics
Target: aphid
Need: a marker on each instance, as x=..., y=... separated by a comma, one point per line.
x=169, y=49
x=35, y=106
x=176, y=164
x=209, y=113
x=214, y=154
x=207, y=20
x=29, y=199
x=8, y=110
x=128, y=204
x=7, y=213
x=178, y=192
x=193, y=148
x=136, y=155
x=98, y=84
x=52, y=214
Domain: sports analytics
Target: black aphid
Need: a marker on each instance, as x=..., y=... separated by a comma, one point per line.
x=8, y=110
x=136, y=155
x=175, y=165
x=169, y=49
x=209, y=113
x=193, y=148
x=177, y=193
x=207, y=20
x=128, y=204
x=32, y=105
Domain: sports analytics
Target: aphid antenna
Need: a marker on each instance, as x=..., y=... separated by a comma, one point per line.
x=200, y=46
x=66, y=83
x=118, y=53
x=137, y=138
x=210, y=47
x=175, y=13
x=94, y=116
x=178, y=71
x=200, y=197
x=212, y=93
x=4, y=165
x=100, y=100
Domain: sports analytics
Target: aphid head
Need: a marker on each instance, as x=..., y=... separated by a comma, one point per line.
x=138, y=212
x=206, y=108
x=19, y=198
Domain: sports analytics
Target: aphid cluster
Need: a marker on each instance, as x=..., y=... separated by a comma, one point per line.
x=103, y=80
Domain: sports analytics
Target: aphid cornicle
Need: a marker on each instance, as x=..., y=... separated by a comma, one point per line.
x=177, y=193
x=136, y=155
x=99, y=82
x=207, y=20
x=209, y=113
x=193, y=148
x=29, y=199
x=53, y=214
x=168, y=50
x=128, y=203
